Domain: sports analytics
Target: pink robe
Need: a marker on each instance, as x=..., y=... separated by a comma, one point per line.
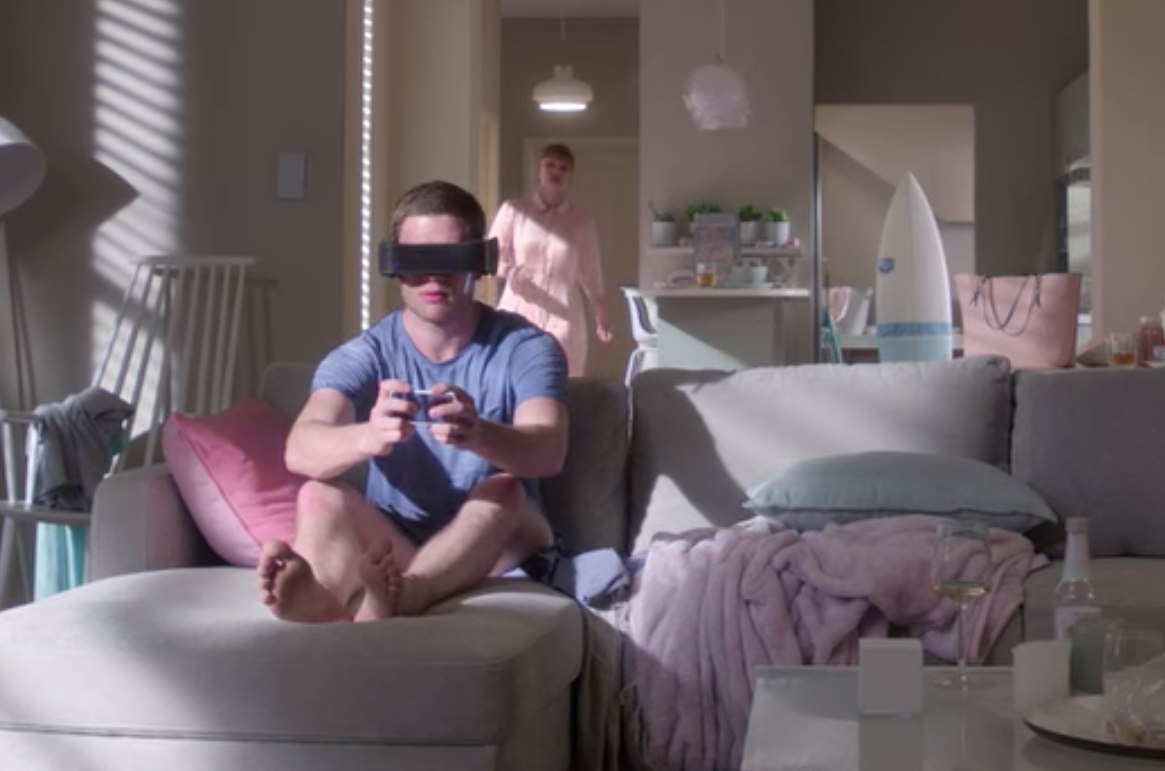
x=546, y=254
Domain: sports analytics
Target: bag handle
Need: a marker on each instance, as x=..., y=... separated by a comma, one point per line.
x=985, y=288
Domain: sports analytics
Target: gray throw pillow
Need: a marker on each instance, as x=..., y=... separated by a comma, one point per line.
x=809, y=494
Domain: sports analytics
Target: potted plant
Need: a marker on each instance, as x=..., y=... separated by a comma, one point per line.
x=702, y=207
x=749, y=217
x=777, y=226
x=663, y=227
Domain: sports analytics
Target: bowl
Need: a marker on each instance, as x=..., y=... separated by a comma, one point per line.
x=749, y=274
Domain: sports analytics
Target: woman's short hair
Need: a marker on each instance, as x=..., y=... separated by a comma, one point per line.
x=438, y=198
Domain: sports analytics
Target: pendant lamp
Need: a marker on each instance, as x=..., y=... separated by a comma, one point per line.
x=716, y=94
x=563, y=92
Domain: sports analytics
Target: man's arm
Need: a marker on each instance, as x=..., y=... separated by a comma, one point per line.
x=533, y=447
x=325, y=442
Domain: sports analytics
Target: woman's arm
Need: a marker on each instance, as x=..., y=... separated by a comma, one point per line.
x=590, y=277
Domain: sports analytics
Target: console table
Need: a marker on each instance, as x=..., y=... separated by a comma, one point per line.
x=731, y=328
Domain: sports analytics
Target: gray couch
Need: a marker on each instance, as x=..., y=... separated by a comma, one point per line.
x=167, y=660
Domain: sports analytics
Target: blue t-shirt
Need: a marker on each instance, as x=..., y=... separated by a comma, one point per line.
x=508, y=361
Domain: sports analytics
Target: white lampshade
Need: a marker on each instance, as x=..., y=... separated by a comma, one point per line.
x=22, y=167
x=717, y=98
x=563, y=92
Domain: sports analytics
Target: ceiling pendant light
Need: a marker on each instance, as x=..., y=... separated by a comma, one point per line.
x=716, y=95
x=563, y=92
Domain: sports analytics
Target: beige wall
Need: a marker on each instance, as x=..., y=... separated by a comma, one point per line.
x=182, y=156
x=438, y=103
x=1128, y=163
x=865, y=153
x=603, y=52
x=768, y=163
x=1007, y=59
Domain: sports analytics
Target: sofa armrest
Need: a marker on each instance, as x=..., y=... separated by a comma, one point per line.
x=140, y=523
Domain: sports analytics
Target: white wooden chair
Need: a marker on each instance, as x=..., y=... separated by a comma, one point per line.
x=172, y=348
x=643, y=331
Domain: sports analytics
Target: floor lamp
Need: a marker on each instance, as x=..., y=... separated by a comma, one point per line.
x=22, y=169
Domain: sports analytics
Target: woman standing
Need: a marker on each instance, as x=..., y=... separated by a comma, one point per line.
x=549, y=256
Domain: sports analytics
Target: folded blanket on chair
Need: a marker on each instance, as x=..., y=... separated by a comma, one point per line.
x=710, y=606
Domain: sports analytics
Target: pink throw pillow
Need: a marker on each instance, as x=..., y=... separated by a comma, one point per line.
x=229, y=468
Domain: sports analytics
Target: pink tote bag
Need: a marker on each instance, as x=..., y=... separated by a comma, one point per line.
x=1029, y=319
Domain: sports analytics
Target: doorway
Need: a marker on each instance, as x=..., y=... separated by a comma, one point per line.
x=606, y=183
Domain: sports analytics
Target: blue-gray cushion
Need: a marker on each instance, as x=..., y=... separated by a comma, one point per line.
x=809, y=494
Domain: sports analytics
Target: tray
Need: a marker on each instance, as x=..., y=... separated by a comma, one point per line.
x=1079, y=722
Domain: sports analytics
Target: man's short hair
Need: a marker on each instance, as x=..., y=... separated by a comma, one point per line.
x=558, y=152
x=438, y=198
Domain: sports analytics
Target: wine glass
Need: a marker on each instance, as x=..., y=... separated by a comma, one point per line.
x=960, y=570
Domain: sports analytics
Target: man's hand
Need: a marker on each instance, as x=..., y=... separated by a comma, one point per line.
x=456, y=421
x=390, y=420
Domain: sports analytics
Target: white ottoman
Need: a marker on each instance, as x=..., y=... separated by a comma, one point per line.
x=185, y=669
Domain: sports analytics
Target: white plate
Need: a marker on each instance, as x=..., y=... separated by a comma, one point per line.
x=1080, y=722
x=1155, y=364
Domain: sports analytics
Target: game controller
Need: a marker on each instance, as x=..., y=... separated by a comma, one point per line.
x=424, y=400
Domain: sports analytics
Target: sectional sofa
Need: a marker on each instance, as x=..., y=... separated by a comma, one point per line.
x=167, y=660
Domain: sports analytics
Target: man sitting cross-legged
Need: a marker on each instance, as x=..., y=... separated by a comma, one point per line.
x=447, y=502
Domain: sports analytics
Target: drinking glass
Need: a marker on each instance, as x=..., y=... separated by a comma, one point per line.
x=1122, y=349
x=1126, y=651
x=706, y=274
x=960, y=570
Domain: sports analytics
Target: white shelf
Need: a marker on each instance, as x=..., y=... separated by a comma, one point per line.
x=764, y=251
x=716, y=293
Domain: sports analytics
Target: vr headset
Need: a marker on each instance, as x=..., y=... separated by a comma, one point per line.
x=478, y=257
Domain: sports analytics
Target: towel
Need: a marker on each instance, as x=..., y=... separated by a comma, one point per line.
x=76, y=441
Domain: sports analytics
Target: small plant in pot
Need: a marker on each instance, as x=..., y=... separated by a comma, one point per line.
x=702, y=207
x=749, y=217
x=777, y=226
x=664, y=231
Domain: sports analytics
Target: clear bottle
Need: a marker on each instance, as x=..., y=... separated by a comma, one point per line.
x=1074, y=597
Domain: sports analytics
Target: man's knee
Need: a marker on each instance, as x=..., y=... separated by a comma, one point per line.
x=503, y=491
x=319, y=501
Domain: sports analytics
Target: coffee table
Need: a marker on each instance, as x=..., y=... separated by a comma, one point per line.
x=807, y=719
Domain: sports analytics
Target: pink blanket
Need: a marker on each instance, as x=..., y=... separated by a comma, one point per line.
x=710, y=606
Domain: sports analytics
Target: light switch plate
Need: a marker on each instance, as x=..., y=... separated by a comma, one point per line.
x=291, y=176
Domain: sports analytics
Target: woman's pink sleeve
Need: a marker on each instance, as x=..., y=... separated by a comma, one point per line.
x=503, y=230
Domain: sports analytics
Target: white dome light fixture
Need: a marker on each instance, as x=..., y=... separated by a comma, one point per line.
x=563, y=92
x=716, y=94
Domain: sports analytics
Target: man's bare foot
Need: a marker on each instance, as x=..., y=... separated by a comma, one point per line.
x=289, y=587
x=382, y=583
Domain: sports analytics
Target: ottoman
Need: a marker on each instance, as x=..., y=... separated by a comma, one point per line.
x=184, y=669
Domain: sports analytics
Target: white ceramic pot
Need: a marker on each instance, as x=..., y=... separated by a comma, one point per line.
x=748, y=233
x=664, y=234
x=777, y=232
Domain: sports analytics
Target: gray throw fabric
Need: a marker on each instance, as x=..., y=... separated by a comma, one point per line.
x=77, y=440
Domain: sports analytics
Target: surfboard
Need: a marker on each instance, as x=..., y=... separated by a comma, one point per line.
x=913, y=308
